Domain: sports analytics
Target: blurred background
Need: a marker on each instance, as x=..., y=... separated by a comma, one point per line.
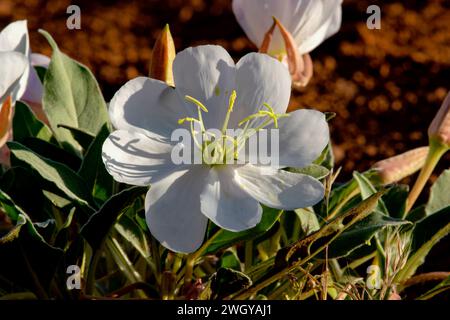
x=385, y=85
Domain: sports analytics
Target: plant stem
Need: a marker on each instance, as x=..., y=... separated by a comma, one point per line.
x=156, y=258
x=356, y=263
x=434, y=154
x=248, y=254
x=425, y=277
x=90, y=279
x=190, y=261
x=124, y=263
x=280, y=274
x=344, y=201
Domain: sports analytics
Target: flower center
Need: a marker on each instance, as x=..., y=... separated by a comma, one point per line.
x=223, y=147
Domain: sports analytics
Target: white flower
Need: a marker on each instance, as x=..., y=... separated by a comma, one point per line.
x=182, y=197
x=309, y=21
x=302, y=26
x=14, y=38
x=13, y=66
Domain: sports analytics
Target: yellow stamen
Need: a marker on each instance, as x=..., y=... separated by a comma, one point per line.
x=196, y=102
x=231, y=101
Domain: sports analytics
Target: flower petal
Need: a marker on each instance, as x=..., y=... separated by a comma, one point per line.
x=35, y=89
x=303, y=136
x=226, y=204
x=260, y=79
x=14, y=65
x=134, y=158
x=39, y=60
x=323, y=20
x=280, y=189
x=309, y=21
x=172, y=209
x=14, y=37
x=148, y=106
x=206, y=73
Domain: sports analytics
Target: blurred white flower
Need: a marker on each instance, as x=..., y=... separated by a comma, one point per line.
x=307, y=24
x=14, y=37
x=14, y=42
x=12, y=67
x=181, y=198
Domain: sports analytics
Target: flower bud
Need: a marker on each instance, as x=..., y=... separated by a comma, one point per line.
x=162, y=57
x=300, y=66
x=439, y=130
x=6, y=115
x=267, y=39
x=401, y=166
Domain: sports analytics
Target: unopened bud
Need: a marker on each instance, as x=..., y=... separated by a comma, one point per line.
x=300, y=66
x=162, y=57
x=267, y=39
x=6, y=115
x=439, y=130
x=401, y=166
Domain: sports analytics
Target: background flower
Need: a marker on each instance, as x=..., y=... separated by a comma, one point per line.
x=28, y=87
x=13, y=66
x=309, y=21
x=14, y=37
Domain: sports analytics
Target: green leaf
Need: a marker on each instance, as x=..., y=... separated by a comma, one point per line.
x=99, y=224
x=360, y=234
x=230, y=260
x=440, y=288
x=92, y=168
x=13, y=233
x=71, y=97
x=319, y=240
x=62, y=176
x=82, y=137
x=52, y=152
x=395, y=200
x=308, y=221
x=326, y=159
x=55, y=199
x=440, y=194
x=25, y=124
x=313, y=170
x=131, y=231
x=367, y=189
x=417, y=213
x=330, y=115
x=426, y=233
x=227, y=238
x=16, y=214
x=63, y=234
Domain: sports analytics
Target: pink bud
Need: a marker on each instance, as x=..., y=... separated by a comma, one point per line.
x=439, y=129
x=300, y=66
x=401, y=166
